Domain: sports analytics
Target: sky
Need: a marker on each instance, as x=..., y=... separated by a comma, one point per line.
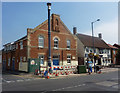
x=18, y=16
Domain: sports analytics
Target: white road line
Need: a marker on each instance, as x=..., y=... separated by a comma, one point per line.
x=27, y=79
x=69, y=87
x=75, y=86
x=83, y=84
x=20, y=80
x=79, y=85
x=8, y=81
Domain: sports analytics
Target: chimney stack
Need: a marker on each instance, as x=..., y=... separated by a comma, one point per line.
x=100, y=35
x=74, y=30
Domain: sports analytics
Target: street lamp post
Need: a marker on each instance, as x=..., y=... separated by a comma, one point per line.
x=49, y=37
x=93, y=39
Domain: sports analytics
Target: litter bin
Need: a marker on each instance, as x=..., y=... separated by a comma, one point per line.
x=81, y=69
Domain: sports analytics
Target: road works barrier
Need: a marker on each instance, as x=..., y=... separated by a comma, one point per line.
x=59, y=70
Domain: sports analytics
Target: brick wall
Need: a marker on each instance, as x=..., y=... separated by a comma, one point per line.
x=59, y=30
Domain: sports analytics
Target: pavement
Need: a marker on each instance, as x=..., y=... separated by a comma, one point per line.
x=32, y=76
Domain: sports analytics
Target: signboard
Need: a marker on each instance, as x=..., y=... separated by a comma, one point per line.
x=32, y=62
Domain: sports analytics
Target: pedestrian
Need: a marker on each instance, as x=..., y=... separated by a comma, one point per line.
x=89, y=66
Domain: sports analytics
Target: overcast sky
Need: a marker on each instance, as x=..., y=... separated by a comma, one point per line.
x=17, y=17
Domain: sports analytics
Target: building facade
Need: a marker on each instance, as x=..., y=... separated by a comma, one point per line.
x=35, y=45
x=101, y=50
x=113, y=53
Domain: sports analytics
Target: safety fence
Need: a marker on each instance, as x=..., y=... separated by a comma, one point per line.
x=58, y=70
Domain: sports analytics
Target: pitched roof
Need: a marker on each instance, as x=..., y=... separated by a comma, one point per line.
x=87, y=41
x=116, y=45
x=113, y=47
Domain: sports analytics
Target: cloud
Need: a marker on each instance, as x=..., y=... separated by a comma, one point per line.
x=109, y=31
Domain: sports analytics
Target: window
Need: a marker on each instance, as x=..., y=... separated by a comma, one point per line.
x=86, y=55
x=16, y=46
x=114, y=51
x=24, y=58
x=68, y=58
x=41, y=57
x=90, y=50
x=94, y=50
x=68, y=44
x=10, y=47
x=56, y=22
x=41, y=41
x=20, y=59
x=87, y=49
x=21, y=44
x=5, y=48
x=9, y=62
x=101, y=51
x=56, y=43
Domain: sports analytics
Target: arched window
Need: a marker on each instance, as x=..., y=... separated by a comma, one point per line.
x=56, y=43
x=68, y=44
x=41, y=41
x=56, y=22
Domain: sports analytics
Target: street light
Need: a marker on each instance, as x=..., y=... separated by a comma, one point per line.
x=93, y=39
x=49, y=37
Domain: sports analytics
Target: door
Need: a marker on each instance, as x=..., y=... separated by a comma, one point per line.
x=56, y=61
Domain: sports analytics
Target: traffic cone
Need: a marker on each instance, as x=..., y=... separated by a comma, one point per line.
x=48, y=75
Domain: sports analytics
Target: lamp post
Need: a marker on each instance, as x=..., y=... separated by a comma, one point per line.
x=49, y=37
x=93, y=39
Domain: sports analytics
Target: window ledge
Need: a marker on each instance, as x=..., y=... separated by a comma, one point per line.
x=40, y=47
x=68, y=48
x=55, y=48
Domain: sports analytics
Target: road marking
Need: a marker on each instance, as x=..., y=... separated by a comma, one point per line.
x=27, y=79
x=69, y=87
x=20, y=80
x=75, y=86
x=79, y=85
x=83, y=84
x=8, y=81
x=115, y=86
x=107, y=83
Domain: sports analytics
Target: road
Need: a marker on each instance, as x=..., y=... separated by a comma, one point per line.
x=94, y=82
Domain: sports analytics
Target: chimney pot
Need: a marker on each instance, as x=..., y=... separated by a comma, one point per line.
x=74, y=30
x=100, y=35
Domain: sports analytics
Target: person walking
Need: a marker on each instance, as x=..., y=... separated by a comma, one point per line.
x=89, y=66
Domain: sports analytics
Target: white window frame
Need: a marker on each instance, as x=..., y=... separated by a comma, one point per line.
x=69, y=59
x=87, y=49
x=40, y=41
x=56, y=42
x=21, y=44
x=8, y=61
x=16, y=46
x=68, y=44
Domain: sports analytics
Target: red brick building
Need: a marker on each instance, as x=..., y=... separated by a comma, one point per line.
x=113, y=53
x=35, y=45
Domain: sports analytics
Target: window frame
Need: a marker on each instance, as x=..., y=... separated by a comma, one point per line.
x=56, y=43
x=41, y=41
x=21, y=44
x=68, y=44
x=69, y=59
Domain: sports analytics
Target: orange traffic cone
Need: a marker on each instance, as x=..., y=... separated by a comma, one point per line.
x=48, y=75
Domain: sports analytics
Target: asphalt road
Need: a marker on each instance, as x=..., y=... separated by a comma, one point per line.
x=94, y=82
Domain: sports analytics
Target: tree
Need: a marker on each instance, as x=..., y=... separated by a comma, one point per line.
x=118, y=57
